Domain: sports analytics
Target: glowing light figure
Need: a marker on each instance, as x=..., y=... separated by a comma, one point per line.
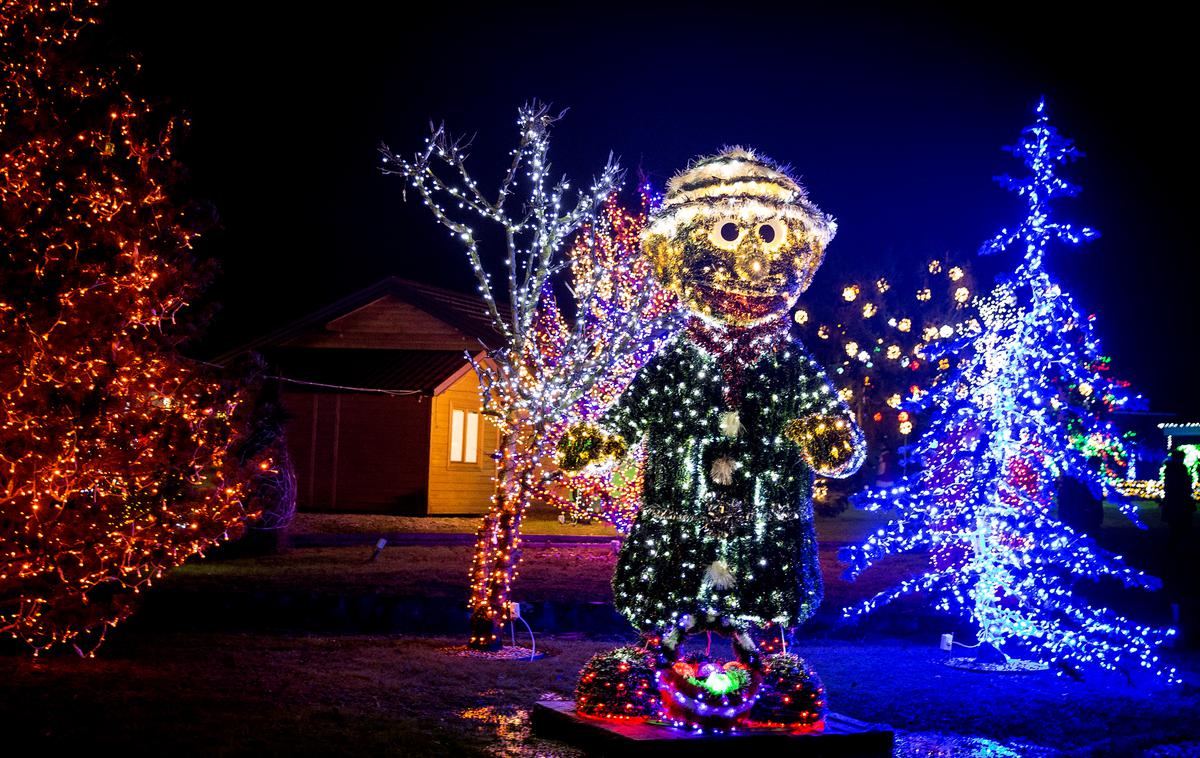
x=1002, y=434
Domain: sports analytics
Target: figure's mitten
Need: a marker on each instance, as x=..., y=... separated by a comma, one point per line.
x=827, y=443
x=583, y=444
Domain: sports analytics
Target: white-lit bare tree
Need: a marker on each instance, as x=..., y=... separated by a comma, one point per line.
x=539, y=377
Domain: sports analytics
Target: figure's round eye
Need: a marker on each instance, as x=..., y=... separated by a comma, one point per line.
x=773, y=233
x=726, y=234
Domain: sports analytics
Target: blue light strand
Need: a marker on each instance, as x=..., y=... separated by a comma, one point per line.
x=982, y=505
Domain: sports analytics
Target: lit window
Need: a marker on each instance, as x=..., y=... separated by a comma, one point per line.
x=464, y=436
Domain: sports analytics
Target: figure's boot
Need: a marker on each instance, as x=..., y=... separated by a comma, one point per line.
x=618, y=684
x=792, y=696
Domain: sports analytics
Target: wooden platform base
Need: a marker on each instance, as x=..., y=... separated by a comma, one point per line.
x=843, y=737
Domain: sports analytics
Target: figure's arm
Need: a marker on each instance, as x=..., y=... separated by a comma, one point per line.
x=584, y=443
x=823, y=426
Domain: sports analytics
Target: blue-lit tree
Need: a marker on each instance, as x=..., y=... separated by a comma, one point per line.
x=1021, y=385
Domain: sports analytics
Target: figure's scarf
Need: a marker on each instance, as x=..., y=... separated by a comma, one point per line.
x=737, y=349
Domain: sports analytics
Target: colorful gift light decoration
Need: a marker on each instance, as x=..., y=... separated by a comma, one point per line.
x=624, y=685
x=1005, y=416
x=735, y=418
x=618, y=684
x=792, y=696
x=609, y=253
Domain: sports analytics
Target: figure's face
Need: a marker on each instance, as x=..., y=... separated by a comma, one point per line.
x=737, y=270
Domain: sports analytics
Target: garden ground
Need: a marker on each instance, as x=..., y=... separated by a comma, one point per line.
x=241, y=694
x=162, y=686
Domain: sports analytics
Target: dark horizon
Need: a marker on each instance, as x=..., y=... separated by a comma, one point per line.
x=894, y=118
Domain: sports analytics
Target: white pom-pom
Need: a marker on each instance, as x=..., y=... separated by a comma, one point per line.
x=718, y=576
x=731, y=423
x=722, y=470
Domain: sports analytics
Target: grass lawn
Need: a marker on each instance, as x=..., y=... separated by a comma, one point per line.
x=851, y=525
x=545, y=573
x=538, y=521
x=583, y=574
x=206, y=694
x=158, y=690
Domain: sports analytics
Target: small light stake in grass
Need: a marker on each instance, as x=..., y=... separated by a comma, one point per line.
x=379, y=546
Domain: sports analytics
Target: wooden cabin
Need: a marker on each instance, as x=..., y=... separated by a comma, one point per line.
x=385, y=408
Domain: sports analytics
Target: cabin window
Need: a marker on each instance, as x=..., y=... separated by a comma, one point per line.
x=464, y=436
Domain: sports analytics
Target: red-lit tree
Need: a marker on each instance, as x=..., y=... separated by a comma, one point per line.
x=115, y=459
x=607, y=252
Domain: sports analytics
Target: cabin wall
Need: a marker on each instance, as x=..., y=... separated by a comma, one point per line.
x=359, y=452
x=460, y=487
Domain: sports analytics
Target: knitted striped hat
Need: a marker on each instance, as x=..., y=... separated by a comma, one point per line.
x=737, y=182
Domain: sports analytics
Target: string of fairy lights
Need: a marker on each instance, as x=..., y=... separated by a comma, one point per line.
x=1005, y=417
x=552, y=365
x=115, y=452
x=872, y=336
x=606, y=254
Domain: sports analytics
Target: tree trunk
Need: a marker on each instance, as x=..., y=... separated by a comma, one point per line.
x=497, y=547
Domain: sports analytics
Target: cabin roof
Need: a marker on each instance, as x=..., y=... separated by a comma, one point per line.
x=466, y=313
x=424, y=372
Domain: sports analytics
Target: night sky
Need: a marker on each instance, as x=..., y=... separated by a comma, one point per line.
x=894, y=119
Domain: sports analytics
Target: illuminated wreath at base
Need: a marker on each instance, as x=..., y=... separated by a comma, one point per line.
x=707, y=693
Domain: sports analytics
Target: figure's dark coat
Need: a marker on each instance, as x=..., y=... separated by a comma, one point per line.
x=759, y=526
